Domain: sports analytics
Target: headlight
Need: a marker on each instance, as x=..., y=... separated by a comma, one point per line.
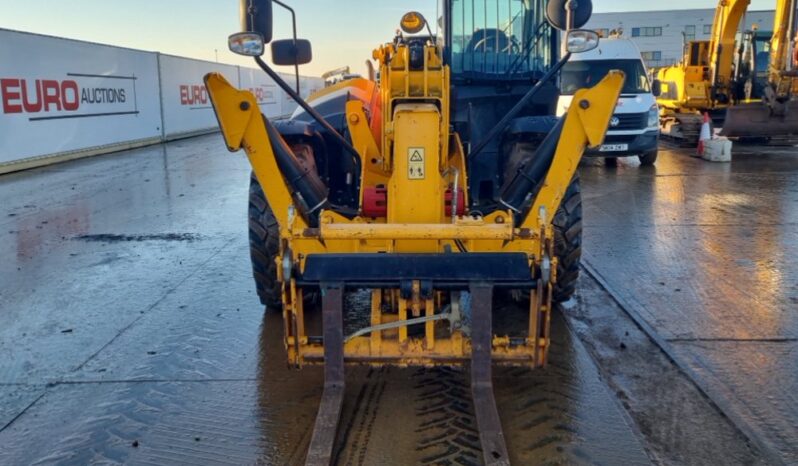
x=653, y=117
x=581, y=40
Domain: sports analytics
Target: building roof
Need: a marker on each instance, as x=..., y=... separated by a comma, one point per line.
x=684, y=10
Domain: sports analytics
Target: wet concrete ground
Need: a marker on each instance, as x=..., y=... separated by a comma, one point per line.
x=130, y=331
x=704, y=254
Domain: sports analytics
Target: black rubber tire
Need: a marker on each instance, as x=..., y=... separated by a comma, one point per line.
x=648, y=159
x=567, y=227
x=568, y=242
x=264, y=246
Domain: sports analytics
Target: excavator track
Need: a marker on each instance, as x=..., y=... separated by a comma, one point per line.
x=684, y=128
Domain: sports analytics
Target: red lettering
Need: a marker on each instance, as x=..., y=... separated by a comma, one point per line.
x=51, y=97
x=35, y=106
x=6, y=86
x=192, y=95
x=196, y=94
x=69, y=105
x=259, y=94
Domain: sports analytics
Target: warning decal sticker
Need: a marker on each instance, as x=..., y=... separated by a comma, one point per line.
x=415, y=164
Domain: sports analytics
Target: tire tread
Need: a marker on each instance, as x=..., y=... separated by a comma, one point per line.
x=264, y=246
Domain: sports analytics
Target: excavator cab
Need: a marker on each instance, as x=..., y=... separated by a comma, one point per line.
x=751, y=65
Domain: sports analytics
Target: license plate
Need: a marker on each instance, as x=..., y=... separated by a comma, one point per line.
x=614, y=147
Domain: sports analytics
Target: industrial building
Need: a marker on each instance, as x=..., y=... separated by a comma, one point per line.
x=660, y=35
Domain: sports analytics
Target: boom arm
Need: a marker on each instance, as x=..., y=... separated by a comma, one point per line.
x=780, y=56
x=704, y=81
x=728, y=15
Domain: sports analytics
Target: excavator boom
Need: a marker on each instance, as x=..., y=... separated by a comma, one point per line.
x=706, y=81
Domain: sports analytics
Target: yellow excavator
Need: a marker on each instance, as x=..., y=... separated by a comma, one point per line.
x=424, y=190
x=711, y=79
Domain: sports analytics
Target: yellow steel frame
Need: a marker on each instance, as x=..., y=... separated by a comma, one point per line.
x=415, y=125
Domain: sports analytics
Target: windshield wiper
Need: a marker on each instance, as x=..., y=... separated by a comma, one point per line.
x=510, y=24
x=528, y=46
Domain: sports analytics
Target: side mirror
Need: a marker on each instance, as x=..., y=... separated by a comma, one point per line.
x=249, y=44
x=581, y=40
x=256, y=16
x=557, y=13
x=656, y=88
x=289, y=52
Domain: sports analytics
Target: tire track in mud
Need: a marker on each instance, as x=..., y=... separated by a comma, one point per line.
x=447, y=427
x=562, y=414
x=544, y=424
x=157, y=381
x=357, y=432
x=409, y=416
x=247, y=408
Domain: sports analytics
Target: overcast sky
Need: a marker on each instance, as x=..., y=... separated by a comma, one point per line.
x=343, y=32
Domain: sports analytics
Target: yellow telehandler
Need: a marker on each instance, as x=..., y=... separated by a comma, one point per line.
x=430, y=187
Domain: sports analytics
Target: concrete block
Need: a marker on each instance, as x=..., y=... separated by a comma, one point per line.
x=717, y=150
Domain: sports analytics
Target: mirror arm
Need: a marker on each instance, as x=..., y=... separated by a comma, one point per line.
x=311, y=111
x=518, y=107
x=293, y=20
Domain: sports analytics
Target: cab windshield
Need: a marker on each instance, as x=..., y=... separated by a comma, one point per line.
x=507, y=38
x=762, y=51
x=587, y=73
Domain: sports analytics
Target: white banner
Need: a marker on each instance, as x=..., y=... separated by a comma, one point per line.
x=186, y=105
x=67, y=98
x=59, y=95
x=269, y=96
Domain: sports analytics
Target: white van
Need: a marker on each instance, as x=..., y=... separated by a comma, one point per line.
x=634, y=128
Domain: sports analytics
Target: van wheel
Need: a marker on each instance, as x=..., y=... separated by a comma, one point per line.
x=648, y=159
x=264, y=246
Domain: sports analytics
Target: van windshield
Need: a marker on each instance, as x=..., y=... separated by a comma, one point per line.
x=587, y=73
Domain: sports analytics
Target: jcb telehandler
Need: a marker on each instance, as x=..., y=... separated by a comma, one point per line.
x=431, y=186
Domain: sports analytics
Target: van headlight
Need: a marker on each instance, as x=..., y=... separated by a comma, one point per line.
x=653, y=117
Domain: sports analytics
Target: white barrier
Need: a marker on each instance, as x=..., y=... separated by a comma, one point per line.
x=186, y=106
x=59, y=96
x=270, y=97
x=62, y=99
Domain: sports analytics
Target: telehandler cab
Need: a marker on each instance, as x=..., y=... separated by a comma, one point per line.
x=430, y=187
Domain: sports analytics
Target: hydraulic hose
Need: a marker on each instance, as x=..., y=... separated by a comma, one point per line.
x=530, y=176
x=308, y=188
